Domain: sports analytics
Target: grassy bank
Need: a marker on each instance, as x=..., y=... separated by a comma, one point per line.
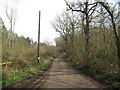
x=25, y=64
x=11, y=75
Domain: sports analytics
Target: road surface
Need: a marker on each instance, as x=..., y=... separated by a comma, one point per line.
x=63, y=76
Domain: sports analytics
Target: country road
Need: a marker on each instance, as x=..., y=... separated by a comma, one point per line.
x=60, y=75
x=63, y=76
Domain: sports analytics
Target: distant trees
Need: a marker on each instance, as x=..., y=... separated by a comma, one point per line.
x=66, y=25
x=11, y=14
x=59, y=42
x=20, y=46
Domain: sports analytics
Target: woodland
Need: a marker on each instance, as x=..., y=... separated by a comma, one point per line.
x=90, y=37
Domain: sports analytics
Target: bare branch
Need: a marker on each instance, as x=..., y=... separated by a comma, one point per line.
x=92, y=12
x=70, y=8
x=11, y=15
x=92, y=7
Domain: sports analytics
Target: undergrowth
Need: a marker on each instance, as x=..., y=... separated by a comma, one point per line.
x=110, y=77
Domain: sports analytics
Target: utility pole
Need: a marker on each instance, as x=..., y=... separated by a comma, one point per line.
x=38, y=56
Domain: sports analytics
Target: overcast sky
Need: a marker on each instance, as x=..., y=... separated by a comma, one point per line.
x=27, y=17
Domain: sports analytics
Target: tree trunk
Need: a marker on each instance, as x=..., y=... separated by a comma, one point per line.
x=118, y=48
x=87, y=33
x=117, y=40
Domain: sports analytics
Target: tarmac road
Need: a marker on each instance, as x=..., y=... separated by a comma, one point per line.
x=63, y=76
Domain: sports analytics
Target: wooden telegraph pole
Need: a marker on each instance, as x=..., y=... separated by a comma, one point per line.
x=38, y=56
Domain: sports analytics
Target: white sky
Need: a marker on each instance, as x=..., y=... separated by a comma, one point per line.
x=28, y=13
x=27, y=18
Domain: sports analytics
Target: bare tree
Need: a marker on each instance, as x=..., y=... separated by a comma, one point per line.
x=11, y=14
x=87, y=9
x=117, y=36
x=66, y=25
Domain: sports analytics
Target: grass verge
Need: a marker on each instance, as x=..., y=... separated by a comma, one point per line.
x=13, y=75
